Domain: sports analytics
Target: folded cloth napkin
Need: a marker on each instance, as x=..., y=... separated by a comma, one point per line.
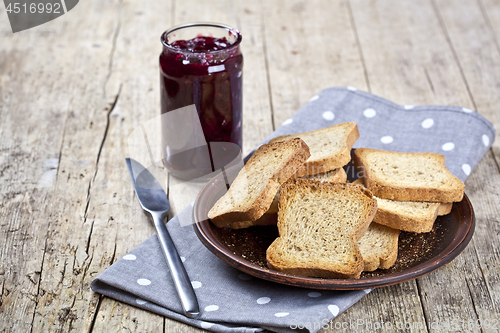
x=231, y=301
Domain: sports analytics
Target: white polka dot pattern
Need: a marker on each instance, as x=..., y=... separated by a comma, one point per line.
x=211, y=308
x=369, y=113
x=333, y=309
x=486, y=140
x=328, y=115
x=196, y=284
x=281, y=314
x=466, y=169
x=144, y=282
x=263, y=300
x=428, y=123
x=206, y=325
x=386, y=139
x=288, y=121
x=448, y=146
x=129, y=257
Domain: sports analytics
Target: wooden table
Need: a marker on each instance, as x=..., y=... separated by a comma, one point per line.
x=73, y=89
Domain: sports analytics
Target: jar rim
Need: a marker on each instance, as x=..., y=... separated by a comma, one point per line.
x=231, y=30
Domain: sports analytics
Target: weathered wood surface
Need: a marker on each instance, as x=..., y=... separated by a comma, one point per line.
x=73, y=89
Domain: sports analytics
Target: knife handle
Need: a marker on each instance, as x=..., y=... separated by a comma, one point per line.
x=179, y=275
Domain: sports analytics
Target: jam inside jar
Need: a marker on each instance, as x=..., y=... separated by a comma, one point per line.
x=201, y=64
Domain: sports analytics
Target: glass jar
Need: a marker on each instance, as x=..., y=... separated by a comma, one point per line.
x=201, y=64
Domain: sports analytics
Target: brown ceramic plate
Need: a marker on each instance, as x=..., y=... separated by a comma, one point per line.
x=419, y=254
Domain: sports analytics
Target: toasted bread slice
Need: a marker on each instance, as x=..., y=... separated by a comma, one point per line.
x=413, y=216
x=379, y=247
x=319, y=224
x=334, y=176
x=407, y=176
x=445, y=208
x=330, y=147
x=255, y=186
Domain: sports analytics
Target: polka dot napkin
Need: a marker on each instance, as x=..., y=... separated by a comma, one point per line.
x=460, y=134
x=231, y=301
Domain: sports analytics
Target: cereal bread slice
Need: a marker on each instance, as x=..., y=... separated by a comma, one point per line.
x=379, y=247
x=334, y=176
x=413, y=216
x=319, y=224
x=255, y=186
x=407, y=176
x=445, y=208
x=330, y=147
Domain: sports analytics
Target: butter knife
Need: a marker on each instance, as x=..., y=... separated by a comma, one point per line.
x=154, y=201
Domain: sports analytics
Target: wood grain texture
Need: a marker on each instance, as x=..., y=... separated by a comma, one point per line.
x=471, y=33
x=407, y=57
x=72, y=90
x=310, y=46
x=43, y=112
x=104, y=209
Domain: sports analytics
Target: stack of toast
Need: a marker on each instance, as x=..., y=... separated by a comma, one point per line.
x=327, y=227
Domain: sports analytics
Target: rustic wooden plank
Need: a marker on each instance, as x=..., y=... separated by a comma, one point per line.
x=483, y=190
x=409, y=61
x=491, y=13
x=114, y=316
x=310, y=46
x=473, y=31
x=472, y=38
x=257, y=114
x=406, y=54
x=96, y=197
x=395, y=308
x=35, y=105
x=28, y=176
x=66, y=302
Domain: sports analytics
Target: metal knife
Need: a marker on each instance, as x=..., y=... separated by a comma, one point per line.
x=154, y=201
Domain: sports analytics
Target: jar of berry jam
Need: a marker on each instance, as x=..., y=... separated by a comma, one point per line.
x=201, y=64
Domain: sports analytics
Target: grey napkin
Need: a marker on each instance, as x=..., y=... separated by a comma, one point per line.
x=231, y=301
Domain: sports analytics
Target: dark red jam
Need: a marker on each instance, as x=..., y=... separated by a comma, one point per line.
x=201, y=44
x=206, y=72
